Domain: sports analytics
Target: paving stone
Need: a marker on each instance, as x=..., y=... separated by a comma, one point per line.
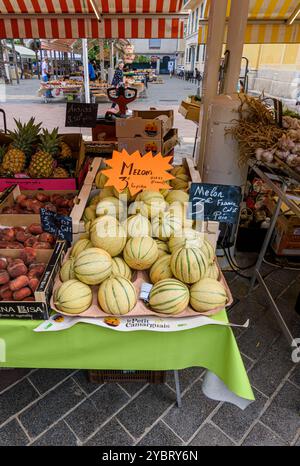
x=15, y=399
x=143, y=410
x=10, y=376
x=239, y=287
x=295, y=376
x=235, y=422
x=51, y=407
x=186, y=377
x=92, y=413
x=246, y=310
x=282, y=416
x=229, y=276
x=12, y=435
x=81, y=377
x=248, y=363
x=58, y=435
x=261, y=436
x=259, y=337
x=284, y=276
x=297, y=444
x=45, y=379
x=132, y=387
x=276, y=288
x=160, y=435
x=209, y=435
x=268, y=372
x=195, y=409
x=292, y=319
x=291, y=294
x=112, y=434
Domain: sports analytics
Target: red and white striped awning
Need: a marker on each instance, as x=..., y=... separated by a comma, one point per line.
x=73, y=19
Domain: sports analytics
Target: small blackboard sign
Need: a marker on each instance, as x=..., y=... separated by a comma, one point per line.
x=58, y=225
x=217, y=202
x=81, y=115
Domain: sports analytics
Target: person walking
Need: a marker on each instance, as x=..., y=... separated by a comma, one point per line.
x=92, y=73
x=46, y=76
x=118, y=79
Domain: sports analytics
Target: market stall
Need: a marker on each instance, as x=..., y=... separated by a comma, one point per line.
x=69, y=89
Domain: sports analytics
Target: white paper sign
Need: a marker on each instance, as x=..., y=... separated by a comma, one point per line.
x=59, y=322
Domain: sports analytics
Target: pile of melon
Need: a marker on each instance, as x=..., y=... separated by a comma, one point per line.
x=156, y=237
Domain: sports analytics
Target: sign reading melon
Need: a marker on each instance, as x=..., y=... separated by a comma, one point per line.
x=138, y=173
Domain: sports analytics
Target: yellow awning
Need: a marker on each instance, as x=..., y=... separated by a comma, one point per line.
x=267, y=22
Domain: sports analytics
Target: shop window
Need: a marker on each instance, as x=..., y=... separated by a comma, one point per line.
x=154, y=43
x=193, y=19
x=198, y=52
x=201, y=10
x=196, y=20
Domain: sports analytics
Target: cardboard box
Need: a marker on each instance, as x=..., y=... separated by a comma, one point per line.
x=190, y=110
x=286, y=239
x=76, y=143
x=40, y=308
x=145, y=124
x=150, y=145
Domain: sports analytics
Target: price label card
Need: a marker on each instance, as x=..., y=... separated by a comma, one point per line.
x=58, y=225
x=81, y=115
x=137, y=172
x=220, y=203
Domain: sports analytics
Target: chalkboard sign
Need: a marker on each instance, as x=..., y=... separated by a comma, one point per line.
x=217, y=202
x=58, y=225
x=81, y=115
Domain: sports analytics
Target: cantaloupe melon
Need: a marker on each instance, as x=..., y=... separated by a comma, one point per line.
x=137, y=225
x=161, y=269
x=80, y=246
x=180, y=182
x=179, y=170
x=184, y=236
x=140, y=253
x=176, y=195
x=67, y=270
x=101, y=179
x=189, y=264
x=163, y=247
x=207, y=294
x=125, y=195
x=73, y=297
x=105, y=193
x=164, y=225
x=119, y=267
x=89, y=213
x=208, y=250
x=107, y=233
x=212, y=271
x=92, y=266
x=111, y=206
x=178, y=209
x=169, y=296
x=117, y=295
x=151, y=203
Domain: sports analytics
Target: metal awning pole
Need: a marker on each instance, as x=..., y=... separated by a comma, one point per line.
x=235, y=43
x=215, y=38
x=86, y=71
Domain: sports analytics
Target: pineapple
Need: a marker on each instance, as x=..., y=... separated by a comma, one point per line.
x=60, y=172
x=23, y=139
x=65, y=151
x=42, y=162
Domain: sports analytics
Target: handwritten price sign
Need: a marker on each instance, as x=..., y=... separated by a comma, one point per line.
x=137, y=172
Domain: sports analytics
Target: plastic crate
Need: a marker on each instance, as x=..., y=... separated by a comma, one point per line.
x=115, y=376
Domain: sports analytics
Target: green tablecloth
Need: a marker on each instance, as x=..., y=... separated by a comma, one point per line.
x=86, y=346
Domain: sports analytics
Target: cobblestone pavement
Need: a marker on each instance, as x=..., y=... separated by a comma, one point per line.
x=60, y=407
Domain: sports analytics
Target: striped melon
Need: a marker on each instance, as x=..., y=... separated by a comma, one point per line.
x=101, y=179
x=137, y=225
x=151, y=202
x=179, y=170
x=105, y=193
x=169, y=296
x=107, y=233
x=67, y=270
x=89, y=213
x=140, y=253
x=161, y=269
x=80, y=246
x=209, y=251
x=164, y=225
x=117, y=295
x=181, y=210
x=207, y=294
x=125, y=195
x=94, y=199
x=180, y=182
x=163, y=247
x=119, y=267
x=189, y=264
x=111, y=206
x=176, y=195
x=92, y=266
x=186, y=236
x=212, y=271
x=73, y=297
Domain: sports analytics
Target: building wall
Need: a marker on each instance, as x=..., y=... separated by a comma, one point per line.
x=194, y=53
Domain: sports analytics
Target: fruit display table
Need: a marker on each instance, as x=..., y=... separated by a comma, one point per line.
x=86, y=346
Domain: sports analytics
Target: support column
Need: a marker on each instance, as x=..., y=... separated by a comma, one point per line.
x=101, y=58
x=215, y=38
x=235, y=43
x=86, y=71
x=15, y=60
